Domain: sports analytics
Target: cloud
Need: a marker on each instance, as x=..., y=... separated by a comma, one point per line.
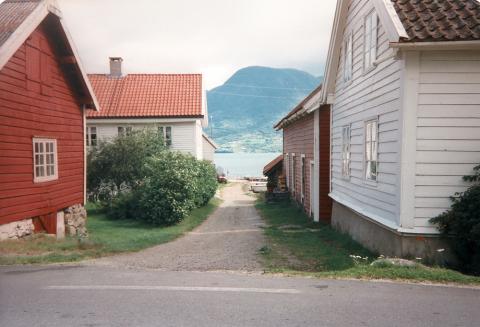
x=214, y=37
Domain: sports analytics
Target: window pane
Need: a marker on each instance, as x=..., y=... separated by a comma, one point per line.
x=168, y=135
x=48, y=159
x=52, y=158
x=120, y=131
x=36, y=147
x=41, y=171
x=37, y=159
x=40, y=147
x=40, y=159
x=93, y=130
x=374, y=131
x=37, y=171
x=374, y=151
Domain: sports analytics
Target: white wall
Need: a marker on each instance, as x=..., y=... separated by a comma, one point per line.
x=185, y=136
x=370, y=94
x=448, y=129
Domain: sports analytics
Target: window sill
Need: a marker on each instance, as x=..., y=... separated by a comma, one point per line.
x=370, y=183
x=38, y=180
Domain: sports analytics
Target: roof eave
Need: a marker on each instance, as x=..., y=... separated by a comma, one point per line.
x=438, y=45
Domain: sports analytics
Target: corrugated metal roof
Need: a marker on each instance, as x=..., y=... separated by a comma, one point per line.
x=148, y=95
x=12, y=14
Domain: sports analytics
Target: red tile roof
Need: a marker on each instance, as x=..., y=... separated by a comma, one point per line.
x=148, y=95
x=439, y=20
x=12, y=15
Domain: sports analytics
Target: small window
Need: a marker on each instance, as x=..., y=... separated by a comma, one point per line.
x=166, y=132
x=346, y=151
x=371, y=150
x=45, y=166
x=124, y=130
x=348, y=59
x=91, y=136
x=370, y=45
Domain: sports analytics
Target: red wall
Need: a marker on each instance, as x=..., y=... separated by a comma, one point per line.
x=36, y=100
x=325, y=202
x=298, y=138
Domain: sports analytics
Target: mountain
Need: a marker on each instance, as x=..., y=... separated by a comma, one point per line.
x=244, y=109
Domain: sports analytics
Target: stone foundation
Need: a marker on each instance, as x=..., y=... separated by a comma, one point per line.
x=75, y=221
x=16, y=230
x=387, y=242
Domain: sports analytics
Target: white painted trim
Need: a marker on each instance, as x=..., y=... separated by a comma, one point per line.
x=139, y=120
x=79, y=64
x=390, y=20
x=44, y=141
x=440, y=45
x=316, y=159
x=20, y=35
x=408, y=147
x=312, y=187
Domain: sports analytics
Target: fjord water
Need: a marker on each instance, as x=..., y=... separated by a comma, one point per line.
x=237, y=165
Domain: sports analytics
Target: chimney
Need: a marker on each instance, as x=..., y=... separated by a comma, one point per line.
x=116, y=67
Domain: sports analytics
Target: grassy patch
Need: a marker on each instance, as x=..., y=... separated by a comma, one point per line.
x=106, y=237
x=298, y=246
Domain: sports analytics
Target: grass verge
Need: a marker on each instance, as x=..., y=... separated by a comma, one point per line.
x=106, y=237
x=298, y=246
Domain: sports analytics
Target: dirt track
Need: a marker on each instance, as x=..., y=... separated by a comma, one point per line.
x=228, y=240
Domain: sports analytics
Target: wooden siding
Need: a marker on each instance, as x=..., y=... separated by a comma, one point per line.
x=36, y=100
x=325, y=202
x=370, y=94
x=208, y=150
x=183, y=134
x=298, y=138
x=448, y=129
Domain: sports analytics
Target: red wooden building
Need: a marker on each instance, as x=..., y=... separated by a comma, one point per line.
x=44, y=93
x=308, y=177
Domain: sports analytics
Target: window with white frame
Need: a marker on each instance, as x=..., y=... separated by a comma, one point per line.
x=370, y=42
x=371, y=150
x=166, y=133
x=124, y=130
x=91, y=136
x=346, y=151
x=45, y=167
x=348, y=59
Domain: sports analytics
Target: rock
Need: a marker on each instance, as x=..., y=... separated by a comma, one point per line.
x=395, y=262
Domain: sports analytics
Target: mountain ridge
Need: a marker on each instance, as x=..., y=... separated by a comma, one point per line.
x=244, y=109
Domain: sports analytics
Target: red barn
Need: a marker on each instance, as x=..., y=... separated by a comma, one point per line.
x=303, y=130
x=44, y=93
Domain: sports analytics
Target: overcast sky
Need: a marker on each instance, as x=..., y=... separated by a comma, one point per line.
x=213, y=37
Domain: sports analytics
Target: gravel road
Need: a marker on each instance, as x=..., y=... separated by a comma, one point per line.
x=228, y=240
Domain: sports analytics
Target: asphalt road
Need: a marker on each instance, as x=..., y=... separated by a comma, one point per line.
x=110, y=296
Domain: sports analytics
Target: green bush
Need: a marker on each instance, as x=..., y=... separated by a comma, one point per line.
x=119, y=165
x=461, y=225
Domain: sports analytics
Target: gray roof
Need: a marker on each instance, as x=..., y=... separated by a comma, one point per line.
x=12, y=14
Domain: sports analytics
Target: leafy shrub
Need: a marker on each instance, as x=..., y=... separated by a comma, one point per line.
x=461, y=225
x=137, y=178
x=118, y=166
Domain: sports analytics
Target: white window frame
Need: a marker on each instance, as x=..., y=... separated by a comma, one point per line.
x=348, y=59
x=303, y=177
x=89, y=136
x=370, y=31
x=346, y=150
x=162, y=129
x=40, y=159
x=371, y=150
